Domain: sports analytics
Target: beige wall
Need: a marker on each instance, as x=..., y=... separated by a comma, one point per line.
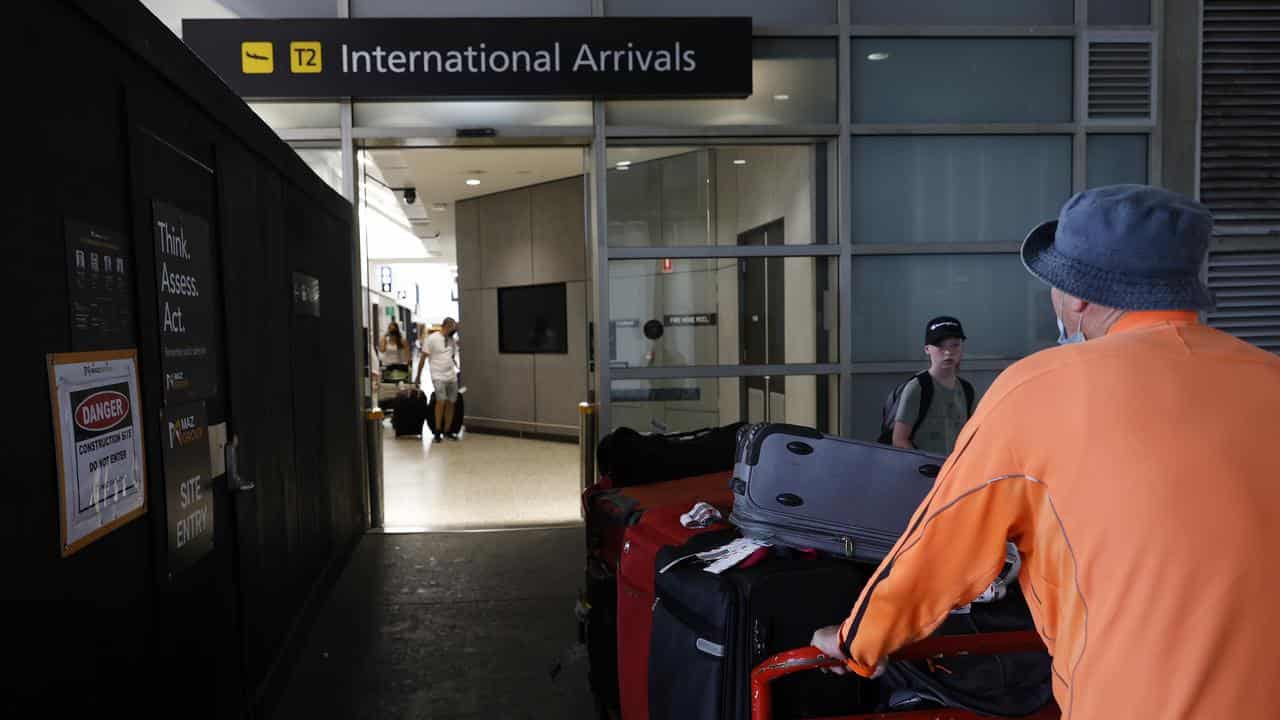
x=527, y=236
x=776, y=182
x=670, y=201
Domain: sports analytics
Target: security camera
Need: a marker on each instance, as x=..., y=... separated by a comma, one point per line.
x=410, y=195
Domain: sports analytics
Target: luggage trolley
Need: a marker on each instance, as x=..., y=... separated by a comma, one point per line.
x=811, y=658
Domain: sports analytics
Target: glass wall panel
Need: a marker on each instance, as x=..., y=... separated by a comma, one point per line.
x=871, y=389
x=723, y=311
x=671, y=196
x=298, y=115
x=1119, y=12
x=469, y=8
x=1005, y=311
x=962, y=80
x=763, y=12
x=1115, y=159
x=955, y=188
x=794, y=82
x=968, y=12
x=474, y=113
x=685, y=404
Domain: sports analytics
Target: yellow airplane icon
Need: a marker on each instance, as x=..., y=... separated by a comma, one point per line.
x=257, y=58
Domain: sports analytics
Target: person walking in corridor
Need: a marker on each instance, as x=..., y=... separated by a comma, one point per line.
x=1131, y=468
x=440, y=353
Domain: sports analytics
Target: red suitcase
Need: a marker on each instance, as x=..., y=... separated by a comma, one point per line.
x=657, y=528
x=610, y=512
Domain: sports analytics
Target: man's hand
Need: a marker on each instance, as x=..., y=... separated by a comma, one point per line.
x=827, y=640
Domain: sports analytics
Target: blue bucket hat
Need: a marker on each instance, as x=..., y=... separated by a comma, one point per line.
x=1130, y=247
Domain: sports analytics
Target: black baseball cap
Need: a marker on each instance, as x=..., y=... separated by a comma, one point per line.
x=941, y=328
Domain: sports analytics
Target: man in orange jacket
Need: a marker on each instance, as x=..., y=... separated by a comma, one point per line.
x=1135, y=472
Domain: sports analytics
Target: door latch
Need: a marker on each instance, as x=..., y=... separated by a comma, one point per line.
x=235, y=481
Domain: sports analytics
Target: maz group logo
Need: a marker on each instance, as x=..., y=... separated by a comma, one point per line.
x=102, y=411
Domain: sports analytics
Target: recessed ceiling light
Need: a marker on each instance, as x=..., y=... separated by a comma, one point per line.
x=878, y=56
x=623, y=163
x=739, y=162
x=473, y=181
x=782, y=96
x=439, y=207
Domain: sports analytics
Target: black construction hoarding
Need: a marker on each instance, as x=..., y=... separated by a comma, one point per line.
x=429, y=58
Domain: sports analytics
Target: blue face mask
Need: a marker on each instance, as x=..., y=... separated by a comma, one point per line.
x=1062, y=334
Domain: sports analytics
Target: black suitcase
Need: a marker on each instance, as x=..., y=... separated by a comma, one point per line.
x=410, y=412
x=459, y=411
x=709, y=631
x=795, y=486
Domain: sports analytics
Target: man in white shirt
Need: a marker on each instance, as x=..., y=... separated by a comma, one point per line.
x=440, y=355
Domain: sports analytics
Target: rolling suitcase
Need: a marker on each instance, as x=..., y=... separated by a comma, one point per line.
x=710, y=631
x=641, y=543
x=795, y=486
x=608, y=514
x=459, y=412
x=410, y=412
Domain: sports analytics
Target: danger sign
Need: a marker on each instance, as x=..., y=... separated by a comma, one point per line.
x=100, y=459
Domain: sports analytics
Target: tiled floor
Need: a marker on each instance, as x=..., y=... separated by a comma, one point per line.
x=481, y=481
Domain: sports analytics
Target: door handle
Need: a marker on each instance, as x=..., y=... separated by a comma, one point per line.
x=235, y=481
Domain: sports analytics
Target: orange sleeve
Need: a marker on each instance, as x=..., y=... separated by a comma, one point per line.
x=953, y=548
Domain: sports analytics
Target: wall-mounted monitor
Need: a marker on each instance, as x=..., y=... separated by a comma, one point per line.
x=533, y=319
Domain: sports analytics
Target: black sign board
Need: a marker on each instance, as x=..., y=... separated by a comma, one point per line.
x=188, y=485
x=492, y=58
x=100, y=288
x=694, y=319
x=306, y=295
x=184, y=277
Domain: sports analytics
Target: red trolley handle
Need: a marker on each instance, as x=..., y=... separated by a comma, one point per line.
x=811, y=658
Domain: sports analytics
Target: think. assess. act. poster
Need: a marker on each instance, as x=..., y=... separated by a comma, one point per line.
x=102, y=478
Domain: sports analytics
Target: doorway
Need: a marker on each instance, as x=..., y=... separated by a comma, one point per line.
x=496, y=238
x=762, y=324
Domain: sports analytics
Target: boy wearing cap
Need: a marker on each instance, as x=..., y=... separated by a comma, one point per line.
x=1132, y=467
x=947, y=399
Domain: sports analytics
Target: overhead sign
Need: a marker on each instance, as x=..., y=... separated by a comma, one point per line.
x=429, y=58
x=101, y=466
x=184, y=277
x=188, y=485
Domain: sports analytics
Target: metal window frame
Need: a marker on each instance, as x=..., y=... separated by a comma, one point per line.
x=598, y=138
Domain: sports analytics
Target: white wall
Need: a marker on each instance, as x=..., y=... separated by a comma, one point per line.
x=777, y=182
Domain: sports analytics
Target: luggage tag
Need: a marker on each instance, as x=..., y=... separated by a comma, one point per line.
x=722, y=558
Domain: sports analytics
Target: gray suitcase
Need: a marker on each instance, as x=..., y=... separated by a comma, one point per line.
x=796, y=487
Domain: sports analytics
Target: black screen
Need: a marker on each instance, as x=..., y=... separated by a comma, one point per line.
x=532, y=319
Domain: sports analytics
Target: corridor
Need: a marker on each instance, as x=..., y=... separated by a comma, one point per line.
x=447, y=626
x=481, y=481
